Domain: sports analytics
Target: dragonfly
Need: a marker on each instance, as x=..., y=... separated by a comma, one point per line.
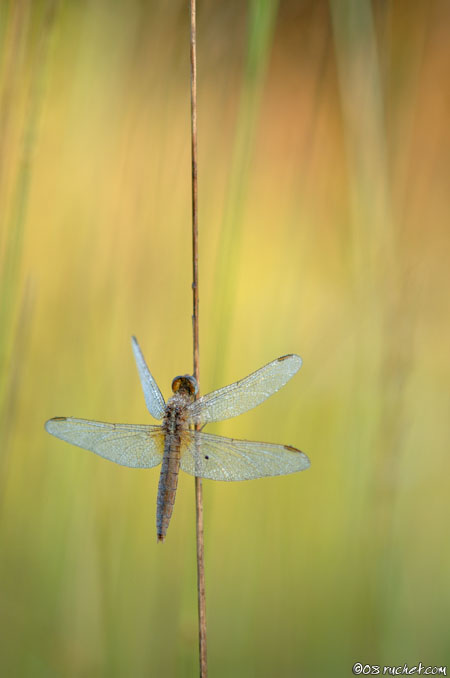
x=177, y=445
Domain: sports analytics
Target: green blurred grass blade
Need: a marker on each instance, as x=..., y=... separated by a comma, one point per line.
x=262, y=15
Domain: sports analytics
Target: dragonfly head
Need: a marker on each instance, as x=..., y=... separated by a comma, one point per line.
x=185, y=384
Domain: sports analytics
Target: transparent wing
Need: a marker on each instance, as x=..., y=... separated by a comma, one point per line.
x=153, y=398
x=245, y=394
x=218, y=458
x=125, y=444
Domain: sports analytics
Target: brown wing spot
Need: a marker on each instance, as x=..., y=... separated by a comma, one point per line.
x=284, y=357
x=58, y=419
x=291, y=449
x=206, y=456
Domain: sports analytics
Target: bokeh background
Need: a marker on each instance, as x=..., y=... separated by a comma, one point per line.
x=323, y=188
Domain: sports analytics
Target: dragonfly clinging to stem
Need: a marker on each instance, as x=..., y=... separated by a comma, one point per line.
x=176, y=445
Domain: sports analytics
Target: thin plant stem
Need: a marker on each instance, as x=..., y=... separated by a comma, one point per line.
x=201, y=596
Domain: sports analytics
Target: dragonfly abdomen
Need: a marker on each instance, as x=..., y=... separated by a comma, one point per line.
x=173, y=424
x=167, y=489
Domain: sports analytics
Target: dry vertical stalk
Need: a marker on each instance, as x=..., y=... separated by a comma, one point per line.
x=195, y=326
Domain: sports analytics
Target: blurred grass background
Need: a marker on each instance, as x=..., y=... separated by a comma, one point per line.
x=323, y=186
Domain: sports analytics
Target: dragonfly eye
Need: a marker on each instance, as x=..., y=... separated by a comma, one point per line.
x=185, y=383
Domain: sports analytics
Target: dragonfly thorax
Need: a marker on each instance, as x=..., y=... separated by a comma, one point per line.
x=185, y=385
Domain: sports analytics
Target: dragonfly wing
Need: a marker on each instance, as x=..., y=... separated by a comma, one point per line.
x=218, y=458
x=153, y=398
x=125, y=444
x=245, y=394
